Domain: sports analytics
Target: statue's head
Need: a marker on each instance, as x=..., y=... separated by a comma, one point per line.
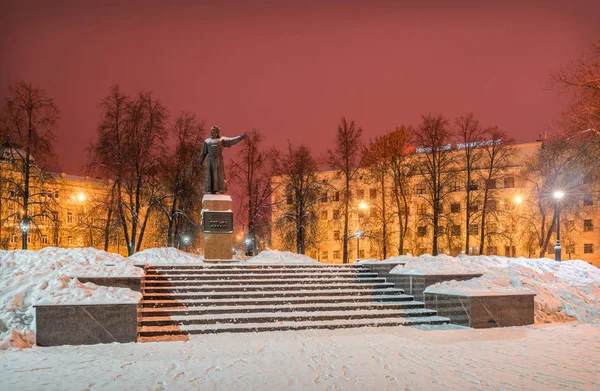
x=215, y=132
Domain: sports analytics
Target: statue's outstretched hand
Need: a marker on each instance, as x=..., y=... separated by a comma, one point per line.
x=244, y=135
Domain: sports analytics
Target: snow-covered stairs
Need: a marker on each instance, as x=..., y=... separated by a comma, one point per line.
x=191, y=299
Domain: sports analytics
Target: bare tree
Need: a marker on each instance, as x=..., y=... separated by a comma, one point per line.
x=254, y=168
x=581, y=80
x=131, y=139
x=297, y=222
x=181, y=175
x=345, y=159
x=497, y=153
x=470, y=135
x=108, y=155
x=27, y=128
x=437, y=166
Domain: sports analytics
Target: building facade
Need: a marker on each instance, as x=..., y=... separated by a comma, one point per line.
x=512, y=227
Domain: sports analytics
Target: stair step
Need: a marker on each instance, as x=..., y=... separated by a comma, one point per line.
x=262, y=276
x=285, y=293
x=150, y=331
x=270, y=317
x=266, y=288
x=272, y=281
x=257, y=272
x=276, y=301
x=247, y=266
x=235, y=309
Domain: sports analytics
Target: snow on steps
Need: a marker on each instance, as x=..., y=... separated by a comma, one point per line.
x=194, y=299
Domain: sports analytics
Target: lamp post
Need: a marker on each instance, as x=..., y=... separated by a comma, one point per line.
x=361, y=206
x=558, y=195
x=24, y=230
x=186, y=242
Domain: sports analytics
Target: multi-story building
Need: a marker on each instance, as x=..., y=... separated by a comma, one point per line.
x=513, y=226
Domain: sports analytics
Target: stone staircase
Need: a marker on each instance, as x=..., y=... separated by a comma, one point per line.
x=195, y=299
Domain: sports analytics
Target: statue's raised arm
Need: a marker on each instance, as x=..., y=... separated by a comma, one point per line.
x=215, y=170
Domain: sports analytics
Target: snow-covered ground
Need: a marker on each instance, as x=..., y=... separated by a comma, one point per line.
x=281, y=257
x=564, y=291
x=165, y=255
x=29, y=277
x=550, y=357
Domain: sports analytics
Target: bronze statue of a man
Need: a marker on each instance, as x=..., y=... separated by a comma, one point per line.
x=215, y=170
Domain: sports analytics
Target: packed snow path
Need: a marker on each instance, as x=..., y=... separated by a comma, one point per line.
x=553, y=357
x=197, y=299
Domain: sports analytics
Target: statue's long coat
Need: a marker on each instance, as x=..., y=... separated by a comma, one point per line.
x=215, y=169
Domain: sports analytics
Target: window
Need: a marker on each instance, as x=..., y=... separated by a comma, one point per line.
x=80, y=218
x=336, y=214
x=454, y=186
x=56, y=194
x=509, y=182
x=325, y=255
x=372, y=212
x=336, y=196
x=490, y=206
x=492, y=250
x=336, y=235
x=473, y=185
x=336, y=254
x=421, y=232
x=474, y=207
x=455, y=231
x=44, y=239
x=372, y=194
x=14, y=238
x=420, y=189
x=69, y=240
x=324, y=214
x=588, y=200
x=491, y=183
x=313, y=254
x=55, y=216
x=588, y=248
x=69, y=217
x=421, y=209
x=510, y=251
x=324, y=197
x=455, y=207
x=473, y=229
x=360, y=194
x=289, y=199
x=588, y=225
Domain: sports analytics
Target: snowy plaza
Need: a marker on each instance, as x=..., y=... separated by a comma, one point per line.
x=560, y=351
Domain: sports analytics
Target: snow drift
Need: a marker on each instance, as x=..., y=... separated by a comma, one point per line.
x=281, y=257
x=564, y=291
x=164, y=255
x=46, y=277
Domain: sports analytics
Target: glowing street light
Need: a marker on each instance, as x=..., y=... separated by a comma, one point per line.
x=81, y=197
x=558, y=195
x=518, y=199
x=363, y=205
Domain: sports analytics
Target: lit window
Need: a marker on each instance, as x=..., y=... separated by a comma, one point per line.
x=588, y=225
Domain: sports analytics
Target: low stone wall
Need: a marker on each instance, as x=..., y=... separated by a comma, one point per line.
x=415, y=284
x=484, y=310
x=133, y=283
x=383, y=268
x=85, y=324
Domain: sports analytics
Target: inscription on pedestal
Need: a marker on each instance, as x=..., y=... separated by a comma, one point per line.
x=217, y=222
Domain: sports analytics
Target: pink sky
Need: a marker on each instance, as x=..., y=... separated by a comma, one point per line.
x=293, y=68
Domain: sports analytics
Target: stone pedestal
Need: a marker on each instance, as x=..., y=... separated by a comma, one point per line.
x=217, y=227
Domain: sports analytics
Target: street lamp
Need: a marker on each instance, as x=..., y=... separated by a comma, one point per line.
x=248, y=242
x=186, y=241
x=362, y=206
x=518, y=199
x=24, y=229
x=558, y=195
